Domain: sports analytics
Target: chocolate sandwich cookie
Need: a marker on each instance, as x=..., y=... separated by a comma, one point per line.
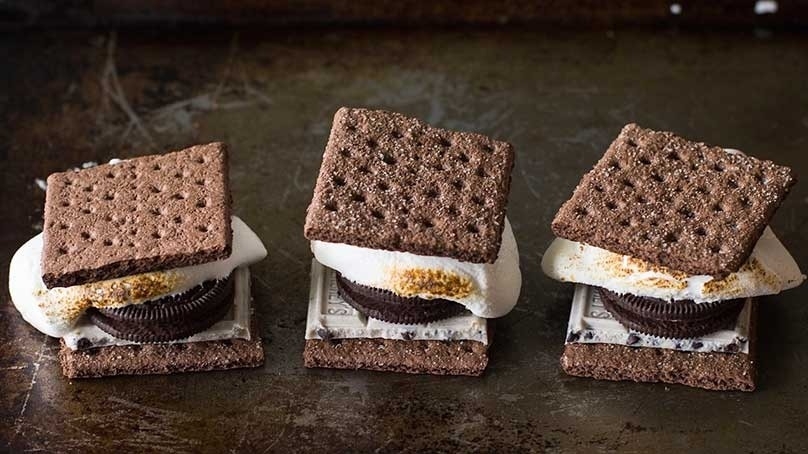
x=386, y=306
x=678, y=320
x=169, y=318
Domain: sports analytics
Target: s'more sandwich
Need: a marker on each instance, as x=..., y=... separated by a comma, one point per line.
x=412, y=250
x=142, y=269
x=668, y=243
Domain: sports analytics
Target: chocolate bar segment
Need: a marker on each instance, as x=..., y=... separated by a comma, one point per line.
x=395, y=183
x=139, y=215
x=672, y=202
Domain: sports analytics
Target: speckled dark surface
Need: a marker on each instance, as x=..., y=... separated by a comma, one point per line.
x=560, y=98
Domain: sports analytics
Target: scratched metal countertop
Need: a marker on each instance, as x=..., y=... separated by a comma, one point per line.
x=559, y=96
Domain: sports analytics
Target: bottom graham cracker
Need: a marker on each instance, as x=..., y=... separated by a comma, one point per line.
x=714, y=370
x=161, y=358
x=460, y=357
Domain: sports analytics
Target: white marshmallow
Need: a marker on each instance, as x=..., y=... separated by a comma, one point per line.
x=769, y=270
x=55, y=311
x=488, y=290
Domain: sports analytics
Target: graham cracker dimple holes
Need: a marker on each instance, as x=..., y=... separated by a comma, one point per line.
x=402, y=224
x=627, y=183
x=463, y=157
x=686, y=212
x=201, y=203
x=581, y=211
x=156, y=167
x=487, y=148
x=377, y=214
x=656, y=177
x=382, y=186
x=458, y=184
x=644, y=160
x=477, y=200
x=330, y=205
x=344, y=152
x=396, y=134
x=610, y=205
x=61, y=250
x=203, y=228
x=388, y=159
x=358, y=197
x=86, y=235
x=473, y=229
x=700, y=231
x=444, y=142
x=371, y=143
x=427, y=223
x=670, y=237
x=481, y=172
x=338, y=180
x=745, y=202
x=431, y=193
x=180, y=196
x=156, y=235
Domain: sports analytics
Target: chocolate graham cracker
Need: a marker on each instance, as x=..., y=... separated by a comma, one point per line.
x=673, y=202
x=161, y=358
x=464, y=357
x=139, y=215
x=392, y=182
x=715, y=370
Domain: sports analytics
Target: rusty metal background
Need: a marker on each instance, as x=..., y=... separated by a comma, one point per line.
x=560, y=96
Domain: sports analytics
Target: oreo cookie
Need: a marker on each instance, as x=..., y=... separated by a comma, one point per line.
x=169, y=318
x=677, y=320
x=386, y=306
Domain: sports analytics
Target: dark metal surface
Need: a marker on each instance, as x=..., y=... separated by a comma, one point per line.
x=558, y=97
x=16, y=14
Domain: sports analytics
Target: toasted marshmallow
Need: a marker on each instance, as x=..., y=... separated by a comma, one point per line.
x=769, y=270
x=55, y=311
x=488, y=290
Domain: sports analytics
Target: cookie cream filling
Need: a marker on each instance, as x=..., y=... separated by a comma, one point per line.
x=56, y=311
x=769, y=270
x=488, y=290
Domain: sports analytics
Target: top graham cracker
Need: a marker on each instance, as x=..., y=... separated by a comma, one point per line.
x=672, y=202
x=392, y=182
x=144, y=214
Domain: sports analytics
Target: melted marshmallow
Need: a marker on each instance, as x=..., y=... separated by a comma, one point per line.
x=488, y=290
x=769, y=270
x=55, y=311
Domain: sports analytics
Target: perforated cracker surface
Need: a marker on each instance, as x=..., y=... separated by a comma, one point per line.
x=144, y=214
x=392, y=182
x=676, y=203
